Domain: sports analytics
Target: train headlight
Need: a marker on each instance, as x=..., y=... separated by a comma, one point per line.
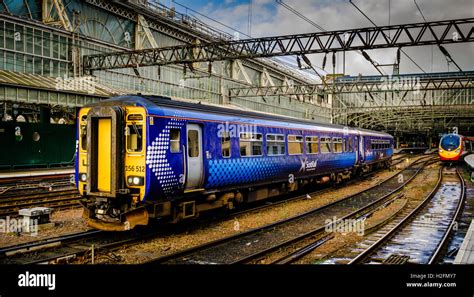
x=83, y=177
x=458, y=150
x=135, y=181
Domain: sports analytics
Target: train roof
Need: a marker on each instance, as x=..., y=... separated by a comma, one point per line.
x=166, y=102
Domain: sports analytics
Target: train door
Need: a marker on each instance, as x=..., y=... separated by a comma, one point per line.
x=104, y=154
x=104, y=142
x=361, y=149
x=194, y=157
x=356, y=149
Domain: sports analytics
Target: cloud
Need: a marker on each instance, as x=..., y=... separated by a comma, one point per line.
x=270, y=19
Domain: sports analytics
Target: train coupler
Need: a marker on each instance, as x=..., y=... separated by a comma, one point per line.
x=129, y=221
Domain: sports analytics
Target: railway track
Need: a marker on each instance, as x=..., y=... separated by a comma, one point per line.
x=70, y=248
x=255, y=244
x=463, y=223
x=419, y=233
x=58, y=199
x=285, y=199
x=15, y=186
x=54, y=191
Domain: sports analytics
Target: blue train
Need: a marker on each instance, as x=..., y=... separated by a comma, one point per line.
x=147, y=157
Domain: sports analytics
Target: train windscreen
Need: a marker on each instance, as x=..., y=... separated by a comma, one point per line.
x=450, y=142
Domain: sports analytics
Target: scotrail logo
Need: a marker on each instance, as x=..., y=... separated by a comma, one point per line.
x=308, y=165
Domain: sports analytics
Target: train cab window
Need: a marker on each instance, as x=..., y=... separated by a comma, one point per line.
x=225, y=144
x=134, y=138
x=175, y=140
x=312, y=144
x=325, y=145
x=295, y=144
x=84, y=137
x=275, y=144
x=337, y=144
x=193, y=143
x=450, y=142
x=250, y=144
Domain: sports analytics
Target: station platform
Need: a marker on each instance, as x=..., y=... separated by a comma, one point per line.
x=466, y=252
x=35, y=173
x=469, y=159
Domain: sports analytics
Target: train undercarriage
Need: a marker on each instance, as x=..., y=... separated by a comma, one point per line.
x=125, y=213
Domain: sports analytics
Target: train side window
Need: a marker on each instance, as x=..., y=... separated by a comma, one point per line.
x=295, y=144
x=350, y=144
x=175, y=140
x=134, y=138
x=312, y=145
x=193, y=143
x=325, y=145
x=275, y=144
x=337, y=143
x=250, y=144
x=225, y=144
x=84, y=137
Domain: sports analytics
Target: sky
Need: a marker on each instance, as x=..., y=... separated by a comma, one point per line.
x=268, y=18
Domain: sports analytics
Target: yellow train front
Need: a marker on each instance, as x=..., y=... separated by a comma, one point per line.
x=110, y=164
x=451, y=147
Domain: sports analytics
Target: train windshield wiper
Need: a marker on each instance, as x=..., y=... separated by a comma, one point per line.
x=136, y=130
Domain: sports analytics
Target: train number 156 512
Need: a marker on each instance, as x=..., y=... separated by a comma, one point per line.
x=135, y=168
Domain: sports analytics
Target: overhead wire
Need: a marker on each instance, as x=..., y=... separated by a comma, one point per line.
x=441, y=48
x=373, y=23
x=314, y=24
